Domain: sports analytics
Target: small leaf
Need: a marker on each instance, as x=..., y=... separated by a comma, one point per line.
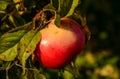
x=27, y=45
x=67, y=75
x=65, y=7
x=16, y=20
x=16, y=1
x=9, y=54
x=55, y=3
x=11, y=19
x=8, y=45
x=38, y=75
x=80, y=61
x=3, y=4
x=22, y=76
x=74, y=5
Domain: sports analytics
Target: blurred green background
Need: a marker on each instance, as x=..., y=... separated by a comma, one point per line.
x=103, y=50
x=103, y=18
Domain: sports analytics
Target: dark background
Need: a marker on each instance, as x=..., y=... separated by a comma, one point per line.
x=103, y=18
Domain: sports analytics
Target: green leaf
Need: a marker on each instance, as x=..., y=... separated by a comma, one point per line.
x=67, y=75
x=27, y=45
x=11, y=19
x=55, y=3
x=9, y=54
x=62, y=6
x=65, y=7
x=80, y=61
x=16, y=20
x=3, y=4
x=22, y=76
x=74, y=5
x=37, y=74
x=8, y=45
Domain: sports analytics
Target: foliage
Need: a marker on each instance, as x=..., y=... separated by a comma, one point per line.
x=20, y=23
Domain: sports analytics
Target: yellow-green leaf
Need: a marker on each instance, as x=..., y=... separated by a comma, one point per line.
x=8, y=45
x=27, y=45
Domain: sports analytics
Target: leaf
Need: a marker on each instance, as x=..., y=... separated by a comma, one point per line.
x=10, y=54
x=37, y=74
x=11, y=19
x=65, y=7
x=74, y=5
x=3, y=4
x=55, y=3
x=8, y=45
x=67, y=75
x=80, y=61
x=27, y=45
x=16, y=20
x=22, y=76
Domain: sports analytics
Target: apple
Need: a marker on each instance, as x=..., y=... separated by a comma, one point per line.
x=60, y=45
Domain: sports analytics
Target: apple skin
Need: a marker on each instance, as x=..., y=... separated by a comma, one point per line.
x=60, y=45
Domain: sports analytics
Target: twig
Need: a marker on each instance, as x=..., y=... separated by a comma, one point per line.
x=2, y=68
x=19, y=27
x=59, y=6
x=7, y=69
x=84, y=25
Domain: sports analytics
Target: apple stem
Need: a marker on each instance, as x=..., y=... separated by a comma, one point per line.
x=42, y=18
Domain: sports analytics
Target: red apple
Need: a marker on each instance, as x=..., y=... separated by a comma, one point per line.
x=59, y=45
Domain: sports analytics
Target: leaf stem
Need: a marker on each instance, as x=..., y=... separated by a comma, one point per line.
x=84, y=25
x=19, y=27
x=59, y=6
x=7, y=69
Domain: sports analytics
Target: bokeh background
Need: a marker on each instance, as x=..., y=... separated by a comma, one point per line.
x=102, y=51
